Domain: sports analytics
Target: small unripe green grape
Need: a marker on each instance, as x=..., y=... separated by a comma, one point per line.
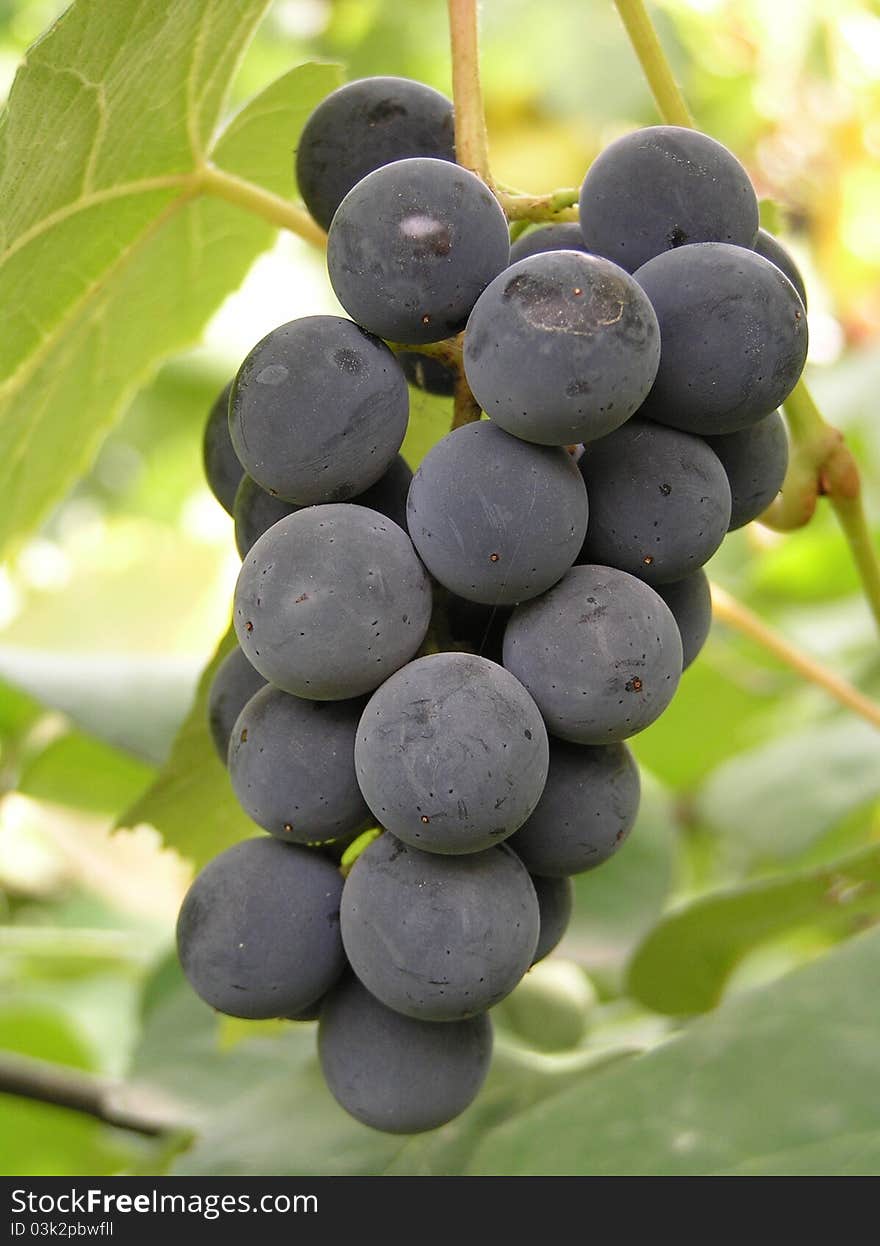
x=552, y=1008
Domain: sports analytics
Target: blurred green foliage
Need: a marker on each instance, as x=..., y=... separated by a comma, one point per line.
x=758, y=786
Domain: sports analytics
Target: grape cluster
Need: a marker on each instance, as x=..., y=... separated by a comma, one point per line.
x=457, y=658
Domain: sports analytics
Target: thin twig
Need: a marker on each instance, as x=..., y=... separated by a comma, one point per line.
x=850, y=512
x=732, y=612
x=116, y=1103
x=556, y=205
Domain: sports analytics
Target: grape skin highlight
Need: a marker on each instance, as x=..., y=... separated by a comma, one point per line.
x=330, y=601
x=412, y=246
x=424, y=372
x=362, y=126
x=434, y=937
x=494, y=519
x=451, y=753
x=561, y=348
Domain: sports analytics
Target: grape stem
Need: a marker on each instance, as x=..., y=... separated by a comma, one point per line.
x=471, y=140
x=465, y=409
x=726, y=609
x=556, y=205
x=821, y=464
x=472, y=152
x=448, y=350
x=471, y=147
x=668, y=95
x=282, y=213
x=471, y=137
x=355, y=848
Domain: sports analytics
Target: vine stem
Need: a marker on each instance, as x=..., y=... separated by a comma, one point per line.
x=279, y=212
x=116, y=1103
x=356, y=848
x=471, y=146
x=810, y=444
x=668, y=95
x=448, y=350
x=728, y=610
x=851, y=516
x=471, y=140
x=821, y=464
x=556, y=205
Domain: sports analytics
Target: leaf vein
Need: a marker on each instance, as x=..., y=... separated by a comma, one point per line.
x=50, y=340
x=169, y=181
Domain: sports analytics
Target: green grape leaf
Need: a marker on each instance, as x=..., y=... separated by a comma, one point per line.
x=111, y=256
x=780, y=1081
x=191, y=802
x=684, y=963
x=81, y=772
x=772, y=803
